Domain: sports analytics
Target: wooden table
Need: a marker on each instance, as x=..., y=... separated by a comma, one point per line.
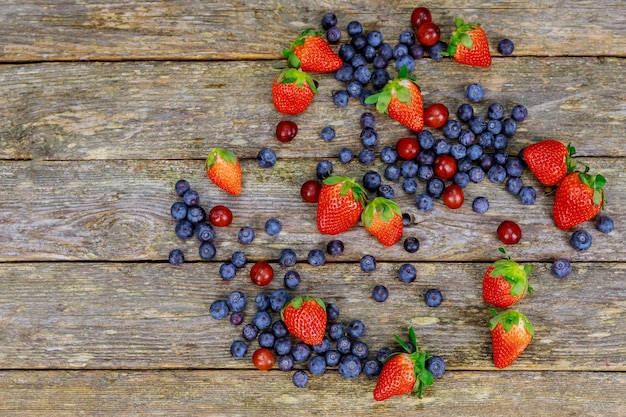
x=104, y=106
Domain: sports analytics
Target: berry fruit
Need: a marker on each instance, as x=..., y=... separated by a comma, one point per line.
x=509, y=232
x=261, y=273
x=561, y=268
x=433, y=298
x=286, y=130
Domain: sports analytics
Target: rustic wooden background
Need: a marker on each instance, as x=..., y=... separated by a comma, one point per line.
x=104, y=106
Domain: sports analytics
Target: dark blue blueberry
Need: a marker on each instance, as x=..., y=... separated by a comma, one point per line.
x=262, y=301
x=218, y=309
x=407, y=37
x=181, y=187
x=245, y=235
x=514, y=185
x=340, y=98
x=480, y=205
x=262, y=320
x=250, y=331
x=407, y=273
x=371, y=180
x=267, y=339
x=380, y=293
x=238, y=349
x=386, y=191
x=399, y=51
x=345, y=155
x=324, y=169
x=333, y=35
x=458, y=150
x=273, y=227
x=476, y=174
x=359, y=42
x=238, y=259
x=374, y=38
x=316, y=257
x=509, y=126
x=407, y=219
x=301, y=352
x=282, y=346
x=505, y=47
x=561, y=268
x=409, y=185
x=425, y=139
x=367, y=156
x=371, y=368
x=452, y=129
x=317, y=365
x=434, y=187
x=380, y=78
x=236, y=318
x=581, y=240
x=434, y=51
x=441, y=147
x=335, y=331
x=332, y=311
x=207, y=251
x=380, y=62
x=436, y=366
x=500, y=156
x=500, y=141
x=392, y=173
x=329, y=20
x=424, y=202
x=485, y=139
x=332, y=357
x=354, y=89
x=461, y=178
x=369, y=136
x=366, y=93
x=358, y=61
x=519, y=113
x=179, y=210
x=514, y=167
x=405, y=61
x=367, y=263
x=528, y=195
x=411, y=244
x=327, y=133
x=383, y=354
x=367, y=119
x=196, y=214
x=360, y=350
x=322, y=347
x=486, y=161
x=408, y=168
x=266, y=158
x=494, y=127
x=495, y=111
x=300, y=378
x=205, y=232
x=605, y=224
x=350, y=366
x=292, y=279
x=278, y=299
x=285, y=362
x=496, y=174
x=363, y=76
x=228, y=271
x=477, y=125
x=385, y=51
x=346, y=52
x=464, y=164
x=354, y=28
x=427, y=156
x=433, y=297
x=410, y=345
x=280, y=329
x=176, y=257
x=191, y=198
x=465, y=112
x=334, y=247
x=388, y=155
x=474, y=92
x=416, y=51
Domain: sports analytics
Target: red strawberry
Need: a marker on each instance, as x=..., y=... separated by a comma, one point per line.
x=402, y=99
x=506, y=282
x=223, y=168
x=578, y=198
x=340, y=205
x=383, y=219
x=305, y=318
x=311, y=52
x=469, y=45
x=293, y=91
x=511, y=332
x=549, y=160
x=404, y=372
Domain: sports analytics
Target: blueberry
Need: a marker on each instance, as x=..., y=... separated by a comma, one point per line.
x=354, y=28
x=364, y=95
x=285, y=362
x=238, y=349
x=434, y=51
x=266, y=158
x=356, y=329
x=228, y=271
x=367, y=156
x=179, y=210
x=408, y=168
x=333, y=35
x=406, y=61
x=262, y=301
x=367, y=263
x=346, y=52
x=371, y=368
x=207, y=251
x=458, y=150
x=332, y=311
x=409, y=185
x=359, y=42
x=561, y=268
x=282, y=347
x=262, y=320
x=369, y=136
x=425, y=172
x=605, y=224
x=380, y=62
x=500, y=141
x=509, y=127
x=238, y=259
x=581, y=240
x=480, y=205
x=407, y=37
x=301, y=352
x=514, y=185
x=181, y=187
x=380, y=77
x=300, y=378
x=496, y=174
x=461, y=179
x=386, y=191
x=433, y=298
x=332, y=357
x=416, y=51
x=350, y=366
x=317, y=365
x=218, y=309
x=399, y=51
x=249, y=331
x=358, y=61
x=316, y=257
x=392, y=173
x=474, y=92
x=427, y=156
x=424, y=202
x=205, y=232
x=371, y=180
x=273, y=227
x=465, y=112
x=324, y=169
x=334, y=247
x=267, y=339
x=474, y=152
x=327, y=133
x=407, y=273
x=519, y=113
x=236, y=318
x=527, y=195
x=329, y=20
x=495, y=111
x=494, y=127
x=345, y=155
x=500, y=156
x=245, y=235
x=278, y=299
x=514, y=167
x=322, y=347
x=292, y=279
x=485, y=161
x=477, y=125
x=335, y=331
x=383, y=354
x=369, y=53
x=452, y=129
x=354, y=89
x=367, y=119
x=388, y=155
x=464, y=164
x=360, y=350
x=411, y=244
x=176, y=257
x=191, y=198
x=385, y=51
x=485, y=139
x=280, y=329
x=434, y=187
x=436, y=366
x=425, y=139
x=380, y=293
x=442, y=147
x=340, y=98
x=407, y=219
x=476, y=174
x=362, y=75
x=505, y=47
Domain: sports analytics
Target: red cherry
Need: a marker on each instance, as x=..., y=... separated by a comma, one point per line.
x=220, y=216
x=310, y=191
x=286, y=130
x=262, y=273
x=420, y=15
x=436, y=115
x=509, y=232
x=445, y=167
x=428, y=34
x=263, y=359
x=407, y=148
x=453, y=196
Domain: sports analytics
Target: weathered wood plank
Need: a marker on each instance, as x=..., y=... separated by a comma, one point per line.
x=65, y=30
x=155, y=316
x=120, y=210
x=148, y=110
x=201, y=393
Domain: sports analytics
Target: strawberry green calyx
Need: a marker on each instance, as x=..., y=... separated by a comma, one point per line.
x=358, y=192
x=510, y=318
x=297, y=76
x=569, y=161
x=460, y=36
x=423, y=376
x=297, y=302
x=384, y=207
x=224, y=154
x=394, y=86
x=292, y=58
x=513, y=273
x=596, y=183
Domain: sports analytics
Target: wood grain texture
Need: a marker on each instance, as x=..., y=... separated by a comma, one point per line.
x=179, y=110
x=184, y=30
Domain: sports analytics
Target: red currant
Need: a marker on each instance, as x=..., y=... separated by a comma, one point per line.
x=220, y=216
x=262, y=273
x=453, y=196
x=445, y=167
x=428, y=34
x=310, y=191
x=286, y=130
x=509, y=232
x=407, y=148
x=420, y=15
x=263, y=359
x=436, y=115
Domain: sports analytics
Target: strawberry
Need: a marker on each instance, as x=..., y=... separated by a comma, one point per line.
x=340, y=204
x=469, y=45
x=383, y=219
x=578, y=198
x=223, y=168
x=403, y=372
x=511, y=332
x=311, y=52
x=401, y=98
x=506, y=282
x=293, y=90
x=305, y=318
x=549, y=160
